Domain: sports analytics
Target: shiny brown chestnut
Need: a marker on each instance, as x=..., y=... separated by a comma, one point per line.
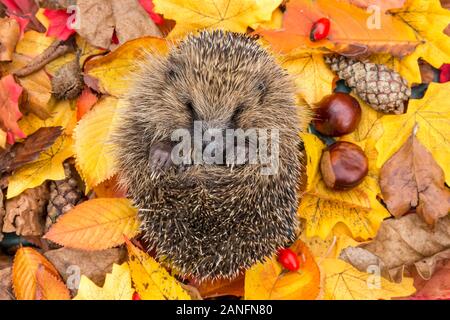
x=344, y=165
x=337, y=114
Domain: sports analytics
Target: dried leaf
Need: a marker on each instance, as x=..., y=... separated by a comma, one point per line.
x=2, y=214
x=110, y=189
x=9, y=36
x=6, y=292
x=151, y=280
x=437, y=288
x=403, y=243
x=221, y=287
x=26, y=263
x=232, y=15
x=10, y=93
x=268, y=281
x=85, y=102
x=117, y=286
x=412, y=179
x=24, y=10
x=49, y=287
x=96, y=224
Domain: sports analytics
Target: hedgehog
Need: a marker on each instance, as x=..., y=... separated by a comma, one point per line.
x=212, y=220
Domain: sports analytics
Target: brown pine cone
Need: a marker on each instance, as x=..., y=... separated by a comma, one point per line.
x=382, y=88
x=64, y=195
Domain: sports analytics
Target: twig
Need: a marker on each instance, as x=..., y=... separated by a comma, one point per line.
x=56, y=50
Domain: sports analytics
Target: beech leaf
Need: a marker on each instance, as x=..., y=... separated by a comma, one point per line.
x=50, y=287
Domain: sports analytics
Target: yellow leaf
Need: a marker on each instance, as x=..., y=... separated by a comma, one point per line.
x=329, y=248
x=50, y=287
x=92, y=142
x=26, y=263
x=432, y=116
x=323, y=208
x=2, y=139
x=343, y=282
x=151, y=280
x=313, y=78
x=232, y=15
x=117, y=286
x=114, y=70
x=312, y=154
x=34, y=43
x=268, y=281
x=49, y=166
x=96, y=224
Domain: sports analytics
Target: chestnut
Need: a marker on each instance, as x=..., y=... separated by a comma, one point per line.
x=337, y=114
x=343, y=165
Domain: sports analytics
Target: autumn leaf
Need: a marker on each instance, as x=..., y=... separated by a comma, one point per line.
x=34, y=43
x=96, y=224
x=49, y=166
x=10, y=93
x=117, y=286
x=151, y=280
x=343, y=282
x=24, y=11
x=436, y=288
x=383, y=5
x=110, y=189
x=149, y=6
x=50, y=287
x=111, y=73
x=26, y=263
x=85, y=102
x=58, y=27
x=221, y=287
x=431, y=115
x=9, y=36
x=232, y=15
x=268, y=281
x=92, y=142
x=349, y=33
x=323, y=208
x=313, y=78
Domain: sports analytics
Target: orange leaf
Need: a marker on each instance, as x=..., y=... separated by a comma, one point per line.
x=354, y=31
x=221, y=287
x=268, y=280
x=10, y=93
x=96, y=224
x=26, y=263
x=110, y=189
x=85, y=102
x=50, y=287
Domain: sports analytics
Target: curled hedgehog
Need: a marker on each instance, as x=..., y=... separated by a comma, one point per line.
x=211, y=220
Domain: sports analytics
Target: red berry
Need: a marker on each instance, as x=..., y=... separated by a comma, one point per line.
x=445, y=73
x=320, y=29
x=288, y=259
x=136, y=296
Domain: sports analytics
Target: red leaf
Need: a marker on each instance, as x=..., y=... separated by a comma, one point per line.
x=58, y=24
x=148, y=6
x=437, y=288
x=85, y=102
x=10, y=93
x=445, y=73
x=24, y=9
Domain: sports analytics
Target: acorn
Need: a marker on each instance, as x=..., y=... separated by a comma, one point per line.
x=337, y=114
x=344, y=165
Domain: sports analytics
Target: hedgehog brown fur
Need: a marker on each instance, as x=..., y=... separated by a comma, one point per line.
x=211, y=221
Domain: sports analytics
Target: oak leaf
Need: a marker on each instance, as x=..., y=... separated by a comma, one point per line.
x=9, y=36
x=349, y=33
x=113, y=71
x=431, y=115
x=268, y=281
x=151, y=280
x=117, y=286
x=26, y=263
x=10, y=93
x=401, y=244
x=96, y=224
x=50, y=287
x=232, y=15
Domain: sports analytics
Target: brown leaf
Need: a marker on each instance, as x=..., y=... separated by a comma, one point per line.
x=9, y=35
x=428, y=72
x=6, y=284
x=401, y=244
x=101, y=17
x=5, y=261
x=2, y=213
x=25, y=214
x=411, y=178
x=28, y=151
x=437, y=288
x=71, y=264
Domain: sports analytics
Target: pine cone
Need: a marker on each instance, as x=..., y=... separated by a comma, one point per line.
x=64, y=195
x=68, y=82
x=382, y=88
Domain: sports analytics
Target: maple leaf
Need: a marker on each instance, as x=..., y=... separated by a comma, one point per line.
x=96, y=224
x=349, y=33
x=151, y=280
x=24, y=11
x=232, y=15
x=323, y=208
x=431, y=115
x=92, y=142
x=117, y=286
x=26, y=263
x=268, y=281
x=10, y=93
x=59, y=27
x=49, y=166
x=344, y=282
x=50, y=287
x=112, y=72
